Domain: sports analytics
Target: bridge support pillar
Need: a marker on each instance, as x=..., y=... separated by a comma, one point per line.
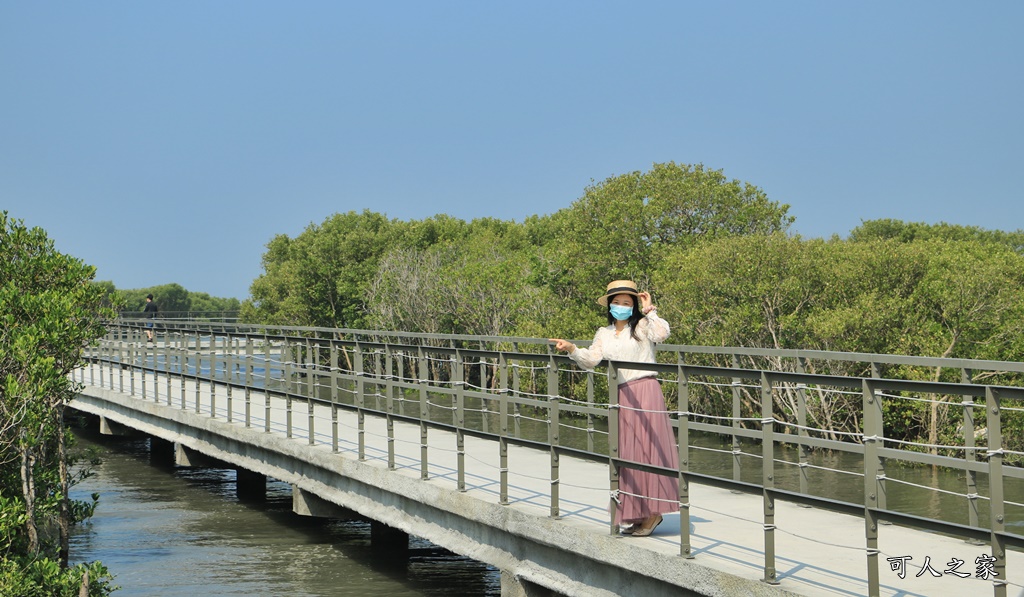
x=514, y=586
x=187, y=457
x=161, y=452
x=305, y=503
x=250, y=486
x=108, y=427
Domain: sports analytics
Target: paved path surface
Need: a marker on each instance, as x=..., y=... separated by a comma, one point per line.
x=818, y=552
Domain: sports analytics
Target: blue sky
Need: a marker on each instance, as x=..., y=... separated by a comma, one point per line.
x=169, y=142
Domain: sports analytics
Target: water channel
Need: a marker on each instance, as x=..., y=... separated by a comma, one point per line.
x=183, y=532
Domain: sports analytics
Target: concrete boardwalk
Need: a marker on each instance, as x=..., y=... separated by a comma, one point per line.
x=818, y=552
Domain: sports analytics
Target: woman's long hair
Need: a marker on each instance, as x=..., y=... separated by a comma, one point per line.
x=634, y=317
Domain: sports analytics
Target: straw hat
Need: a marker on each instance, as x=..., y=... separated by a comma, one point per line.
x=618, y=287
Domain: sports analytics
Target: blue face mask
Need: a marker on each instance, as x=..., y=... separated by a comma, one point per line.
x=620, y=312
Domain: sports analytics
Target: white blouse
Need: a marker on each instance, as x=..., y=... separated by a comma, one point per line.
x=622, y=347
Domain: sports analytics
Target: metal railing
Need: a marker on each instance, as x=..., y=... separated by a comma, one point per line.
x=744, y=405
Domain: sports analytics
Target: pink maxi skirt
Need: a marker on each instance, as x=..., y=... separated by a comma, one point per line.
x=645, y=436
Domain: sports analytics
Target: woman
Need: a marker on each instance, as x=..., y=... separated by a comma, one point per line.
x=645, y=432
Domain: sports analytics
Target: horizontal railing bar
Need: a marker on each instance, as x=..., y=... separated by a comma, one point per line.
x=814, y=442
x=950, y=528
x=855, y=357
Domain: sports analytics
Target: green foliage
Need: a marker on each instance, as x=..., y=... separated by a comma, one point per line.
x=45, y=578
x=49, y=311
x=204, y=303
x=623, y=227
x=173, y=300
x=933, y=297
x=480, y=285
x=538, y=277
x=778, y=291
x=320, y=277
x=907, y=232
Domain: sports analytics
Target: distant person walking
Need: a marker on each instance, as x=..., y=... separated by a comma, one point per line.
x=645, y=431
x=149, y=311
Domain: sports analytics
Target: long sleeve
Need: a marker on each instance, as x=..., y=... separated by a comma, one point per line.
x=623, y=347
x=588, y=358
x=653, y=328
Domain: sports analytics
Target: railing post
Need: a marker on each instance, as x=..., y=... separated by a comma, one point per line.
x=288, y=355
x=378, y=363
x=768, y=477
x=484, y=406
x=311, y=365
x=182, y=364
x=118, y=345
x=876, y=373
x=268, y=377
x=248, y=379
x=803, y=451
x=459, y=377
x=132, y=358
x=591, y=430
x=168, y=351
x=121, y=358
x=335, y=380
x=424, y=368
x=516, y=381
x=502, y=430
x=98, y=362
x=969, y=453
x=199, y=367
x=213, y=373
x=229, y=373
x=553, y=429
x=179, y=336
x=114, y=344
x=685, y=547
x=872, y=469
x=613, y=445
x=997, y=505
x=92, y=375
x=360, y=401
x=145, y=364
x=389, y=404
x=400, y=363
x=156, y=373
x=737, y=464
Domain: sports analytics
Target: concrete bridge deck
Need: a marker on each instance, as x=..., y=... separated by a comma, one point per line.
x=818, y=552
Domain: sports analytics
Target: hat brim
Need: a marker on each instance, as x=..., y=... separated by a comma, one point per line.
x=603, y=301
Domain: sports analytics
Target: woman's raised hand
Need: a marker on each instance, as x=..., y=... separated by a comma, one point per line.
x=645, y=299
